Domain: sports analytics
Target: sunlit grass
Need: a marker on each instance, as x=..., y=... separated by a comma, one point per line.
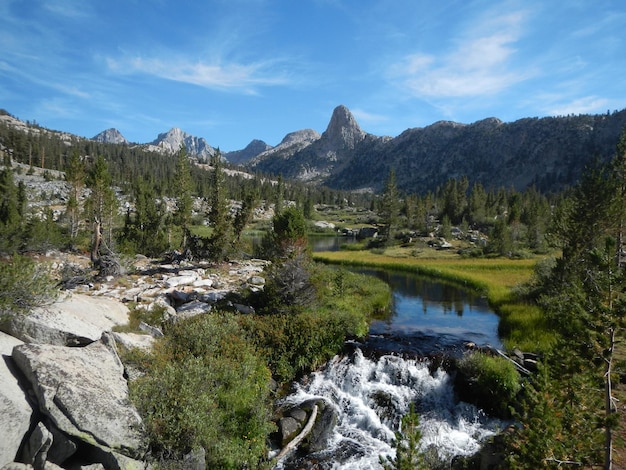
x=521, y=325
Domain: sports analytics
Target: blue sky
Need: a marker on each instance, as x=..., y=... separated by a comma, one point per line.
x=236, y=70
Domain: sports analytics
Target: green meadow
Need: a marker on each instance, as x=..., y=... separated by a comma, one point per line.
x=522, y=325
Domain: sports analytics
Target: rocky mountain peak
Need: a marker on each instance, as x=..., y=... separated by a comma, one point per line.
x=343, y=131
x=110, y=136
x=171, y=141
x=254, y=148
x=297, y=137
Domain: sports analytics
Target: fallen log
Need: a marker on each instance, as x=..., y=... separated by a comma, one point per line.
x=300, y=437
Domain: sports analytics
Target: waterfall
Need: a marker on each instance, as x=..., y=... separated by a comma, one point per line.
x=370, y=396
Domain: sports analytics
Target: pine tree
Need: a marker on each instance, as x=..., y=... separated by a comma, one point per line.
x=585, y=303
x=101, y=209
x=407, y=444
x=219, y=218
x=75, y=176
x=390, y=208
x=184, y=200
x=11, y=210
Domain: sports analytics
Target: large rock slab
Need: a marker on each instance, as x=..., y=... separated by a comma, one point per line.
x=15, y=411
x=73, y=321
x=84, y=392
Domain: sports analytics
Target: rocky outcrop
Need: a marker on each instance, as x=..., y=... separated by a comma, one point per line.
x=318, y=159
x=253, y=149
x=549, y=153
x=172, y=140
x=74, y=321
x=15, y=409
x=110, y=136
x=64, y=399
x=84, y=393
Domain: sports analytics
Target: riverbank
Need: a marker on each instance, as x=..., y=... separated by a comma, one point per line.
x=521, y=325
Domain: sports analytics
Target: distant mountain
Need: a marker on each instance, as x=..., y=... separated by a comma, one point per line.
x=252, y=150
x=549, y=153
x=110, y=136
x=310, y=157
x=172, y=140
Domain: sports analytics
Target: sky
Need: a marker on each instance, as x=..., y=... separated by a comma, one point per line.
x=236, y=70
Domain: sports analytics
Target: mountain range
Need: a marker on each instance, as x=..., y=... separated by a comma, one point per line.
x=549, y=153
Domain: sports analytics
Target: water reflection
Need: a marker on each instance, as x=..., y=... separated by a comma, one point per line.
x=430, y=317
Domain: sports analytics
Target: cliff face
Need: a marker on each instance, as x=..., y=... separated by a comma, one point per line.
x=549, y=153
x=110, y=136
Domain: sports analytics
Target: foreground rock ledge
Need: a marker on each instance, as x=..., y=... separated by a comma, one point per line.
x=84, y=392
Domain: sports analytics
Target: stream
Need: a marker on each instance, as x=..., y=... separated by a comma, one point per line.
x=372, y=385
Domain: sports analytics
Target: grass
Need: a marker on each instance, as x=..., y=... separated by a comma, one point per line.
x=521, y=325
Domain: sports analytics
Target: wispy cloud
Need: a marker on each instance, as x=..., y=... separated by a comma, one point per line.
x=68, y=8
x=584, y=105
x=480, y=63
x=367, y=117
x=209, y=75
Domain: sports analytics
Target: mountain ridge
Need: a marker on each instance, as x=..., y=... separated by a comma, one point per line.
x=549, y=153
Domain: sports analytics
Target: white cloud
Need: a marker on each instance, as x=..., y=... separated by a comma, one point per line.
x=215, y=75
x=584, y=105
x=481, y=63
x=68, y=8
x=367, y=117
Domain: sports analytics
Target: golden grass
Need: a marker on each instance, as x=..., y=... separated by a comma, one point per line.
x=522, y=325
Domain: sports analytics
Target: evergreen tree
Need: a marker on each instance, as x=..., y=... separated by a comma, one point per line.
x=219, y=218
x=584, y=301
x=390, y=208
x=477, y=202
x=11, y=210
x=620, y=173
x=145, y=231
x=407, y=445
x=279, y=195
x=101, y=209
x=184, y=200
x=244, y=214
x=75, y=176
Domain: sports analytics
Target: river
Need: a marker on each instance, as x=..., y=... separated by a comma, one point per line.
x=373, y=385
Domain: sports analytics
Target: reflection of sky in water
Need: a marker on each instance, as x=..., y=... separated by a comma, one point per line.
x=426, y=307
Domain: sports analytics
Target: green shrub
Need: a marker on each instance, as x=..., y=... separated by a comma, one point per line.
x=24, y=285
x=296, y=342
x=490, y=382
x=209, y=388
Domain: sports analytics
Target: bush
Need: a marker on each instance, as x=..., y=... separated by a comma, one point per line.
x=491, y=383
x=299, y=341
x=207, y=389
x=24, y=285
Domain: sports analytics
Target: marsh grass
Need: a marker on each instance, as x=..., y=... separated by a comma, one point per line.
x=521, y=325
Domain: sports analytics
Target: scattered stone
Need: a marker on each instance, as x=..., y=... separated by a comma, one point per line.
x=134, y=341
x=36, y=449
x=288, y=428
x=193, y=309
x=203, y=283
x=256, y=281
x=244, y=309
x=151, y=330
x=176, y=281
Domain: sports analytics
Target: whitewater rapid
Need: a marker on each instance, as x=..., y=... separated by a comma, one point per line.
x=370, y=397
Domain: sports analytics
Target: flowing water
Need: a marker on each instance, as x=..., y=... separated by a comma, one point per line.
x=373, y=385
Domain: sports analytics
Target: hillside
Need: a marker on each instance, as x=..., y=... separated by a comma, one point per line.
x=549, y=153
